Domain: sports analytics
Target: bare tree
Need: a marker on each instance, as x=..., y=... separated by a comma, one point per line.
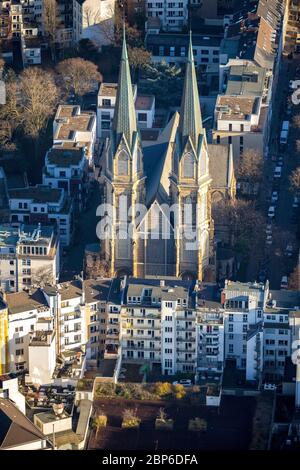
x=78, y=75
x=114, y=34
x=38, y=98
x=246, y=226
x=50, y=21
x=295, y=180
x=251, y=166
x=43, y=276
x=138, y=57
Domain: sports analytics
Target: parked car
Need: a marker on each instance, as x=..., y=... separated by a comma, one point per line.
x=185, y=382
x=274, y=196
x=292, y=85
x=277, y=172
x=284, y=282
x=279, y=161
x=270, y=387
x=269, y=229
x=269, y=240
x=296, y=202
x=289, y=250
x=271, y=212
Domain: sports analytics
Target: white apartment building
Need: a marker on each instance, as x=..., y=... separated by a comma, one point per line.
x=240, y=122
x=243, y=309
x=9, y=389
x=27, y=255
x=158, y=325
x=45, y=205
x=173, y=15
x=144, y=107
x=210, y=336
x=67, y=167
x=42, y=355
x=76, y=128
x=25, y=310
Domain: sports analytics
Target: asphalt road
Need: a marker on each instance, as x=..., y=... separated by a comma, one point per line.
x=275, y=260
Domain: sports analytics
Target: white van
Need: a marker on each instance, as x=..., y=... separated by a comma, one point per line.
x=283, y=137
x=284, y=282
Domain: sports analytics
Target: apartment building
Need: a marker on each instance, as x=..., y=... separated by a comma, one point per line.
x=210, y=329
x=77, y=128
x=4, y=353
x=144, y=107
x=25, y=311
x=42, y=354
x=244, y=304
x=45, y=205
x=66, y=167
x=158, y=324
x=31, y=50
x=28, y=255
x=173, y=15
x=97, y=297
x=173, y=48
x=240, y=121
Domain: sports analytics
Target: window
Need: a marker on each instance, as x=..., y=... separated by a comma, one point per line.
x=122, y=164
x=230, y=348
x=106, y=102
x=19, y=352
x=172, y=51
x=188, y=166
x=142, y=117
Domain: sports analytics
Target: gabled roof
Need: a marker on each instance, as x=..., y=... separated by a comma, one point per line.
x=15, y=429
x=220, y=165
x=156, y=161
x=190, y=123
x=124, y=121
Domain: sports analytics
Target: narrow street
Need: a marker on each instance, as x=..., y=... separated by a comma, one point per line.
x=275, y=262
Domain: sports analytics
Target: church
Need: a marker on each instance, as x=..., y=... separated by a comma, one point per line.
x=166, y=188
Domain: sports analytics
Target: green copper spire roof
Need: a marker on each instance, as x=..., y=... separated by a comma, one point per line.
x=190, y=123
x=124, y=121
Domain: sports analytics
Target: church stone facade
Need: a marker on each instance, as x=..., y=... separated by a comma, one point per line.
x=166, y=186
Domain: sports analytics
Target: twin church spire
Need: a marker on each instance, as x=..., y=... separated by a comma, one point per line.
x=124, y=122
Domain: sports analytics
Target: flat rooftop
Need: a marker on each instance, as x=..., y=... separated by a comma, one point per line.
x=69, y=125
x=38, y=194
x=237, y=108
x=144, y=102
x=63, y=157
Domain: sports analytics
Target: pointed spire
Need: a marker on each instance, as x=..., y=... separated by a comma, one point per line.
x=190, y=123
x=124, y=121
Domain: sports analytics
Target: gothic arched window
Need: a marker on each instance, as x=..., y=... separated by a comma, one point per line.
x=122, y=164
x=188, y=166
